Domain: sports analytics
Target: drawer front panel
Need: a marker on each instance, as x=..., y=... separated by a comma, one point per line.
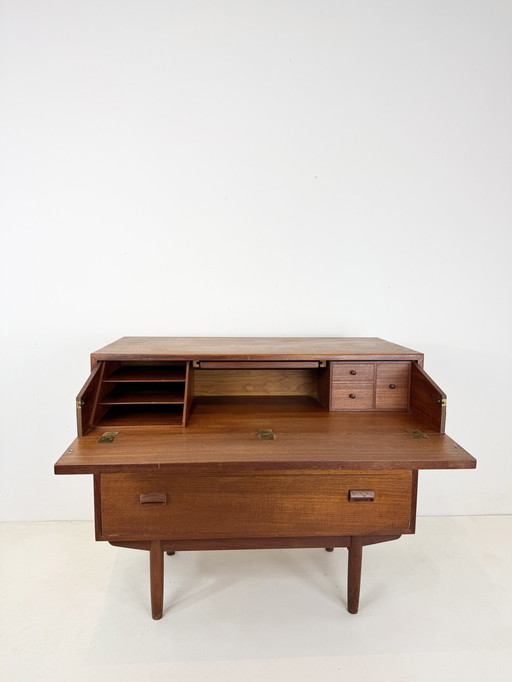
x=353, y=371
x=255, y=505
x=352, y=396
x=392, y=385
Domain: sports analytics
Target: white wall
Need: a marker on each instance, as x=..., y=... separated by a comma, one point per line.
x=278, y=167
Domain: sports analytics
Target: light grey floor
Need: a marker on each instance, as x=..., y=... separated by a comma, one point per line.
x=434, y=606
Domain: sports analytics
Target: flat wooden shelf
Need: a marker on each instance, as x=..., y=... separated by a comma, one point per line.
x=147, y=396
x=146, y=373
x=142, y=415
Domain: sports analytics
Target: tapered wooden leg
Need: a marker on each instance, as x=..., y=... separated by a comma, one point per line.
x=355, y=557
x=156, y=573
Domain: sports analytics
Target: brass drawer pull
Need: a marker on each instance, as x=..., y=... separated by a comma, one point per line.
x=149, y=499
x=361, y=495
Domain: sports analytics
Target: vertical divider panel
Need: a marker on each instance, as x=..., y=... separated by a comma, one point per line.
x=324, y=385
x=189, y=392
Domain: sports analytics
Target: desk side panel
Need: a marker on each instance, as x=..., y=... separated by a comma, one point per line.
x=428, y=401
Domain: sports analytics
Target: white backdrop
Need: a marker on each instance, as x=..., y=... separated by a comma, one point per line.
x=267, y=168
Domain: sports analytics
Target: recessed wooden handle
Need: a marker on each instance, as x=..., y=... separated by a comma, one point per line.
x=148, y=499
x=361, y=495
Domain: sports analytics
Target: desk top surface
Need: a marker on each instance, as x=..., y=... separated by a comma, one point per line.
x=222, y=435
x=252, y=348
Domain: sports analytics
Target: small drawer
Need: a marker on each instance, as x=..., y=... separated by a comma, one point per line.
x=392, y=385
x=352, y=396
x=353, y=371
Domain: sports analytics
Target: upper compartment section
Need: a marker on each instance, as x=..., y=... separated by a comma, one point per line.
x=149, y=393
x=138, y=393
x=253, y=349
x=155, y=381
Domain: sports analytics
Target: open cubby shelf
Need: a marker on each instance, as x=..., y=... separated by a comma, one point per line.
x=145, y=394
x=145, y=373
x=142, y=415
x=142, y=393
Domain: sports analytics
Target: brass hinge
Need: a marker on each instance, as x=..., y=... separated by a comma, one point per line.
x=442, y=401
x=79, y=404
x=108, y=437
x=417, y=433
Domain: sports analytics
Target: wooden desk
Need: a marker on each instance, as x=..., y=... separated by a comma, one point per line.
x=247, y=443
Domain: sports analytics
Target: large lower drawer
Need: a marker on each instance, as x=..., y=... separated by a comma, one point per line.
x=255, y=504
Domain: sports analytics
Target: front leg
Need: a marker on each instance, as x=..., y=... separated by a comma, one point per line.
x=156, y=573
x=355, y=557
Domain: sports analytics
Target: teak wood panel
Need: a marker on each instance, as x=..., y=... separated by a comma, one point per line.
x=219, y=382
x=392, y=385
x=324, y=385
x=225, y=434
x=252, y=348
x=264, y=504
x=87, y=400
x=427, y=401
x=189, y=393
x=254, y=543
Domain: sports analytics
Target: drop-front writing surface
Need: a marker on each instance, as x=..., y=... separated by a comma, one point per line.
x=199, y=443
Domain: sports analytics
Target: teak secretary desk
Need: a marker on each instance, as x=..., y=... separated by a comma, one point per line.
x=252, y=443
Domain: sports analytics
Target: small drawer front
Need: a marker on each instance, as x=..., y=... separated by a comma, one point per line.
x=255, y=505
x=352, y=396
x=392, y=385
x=353, y=371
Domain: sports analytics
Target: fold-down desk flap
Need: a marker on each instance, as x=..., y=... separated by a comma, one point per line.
x=324, y=441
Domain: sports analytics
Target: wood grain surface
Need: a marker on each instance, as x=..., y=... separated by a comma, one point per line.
x=218, y=382
x=252, y=348
x=259, y=505
x=223, y=432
